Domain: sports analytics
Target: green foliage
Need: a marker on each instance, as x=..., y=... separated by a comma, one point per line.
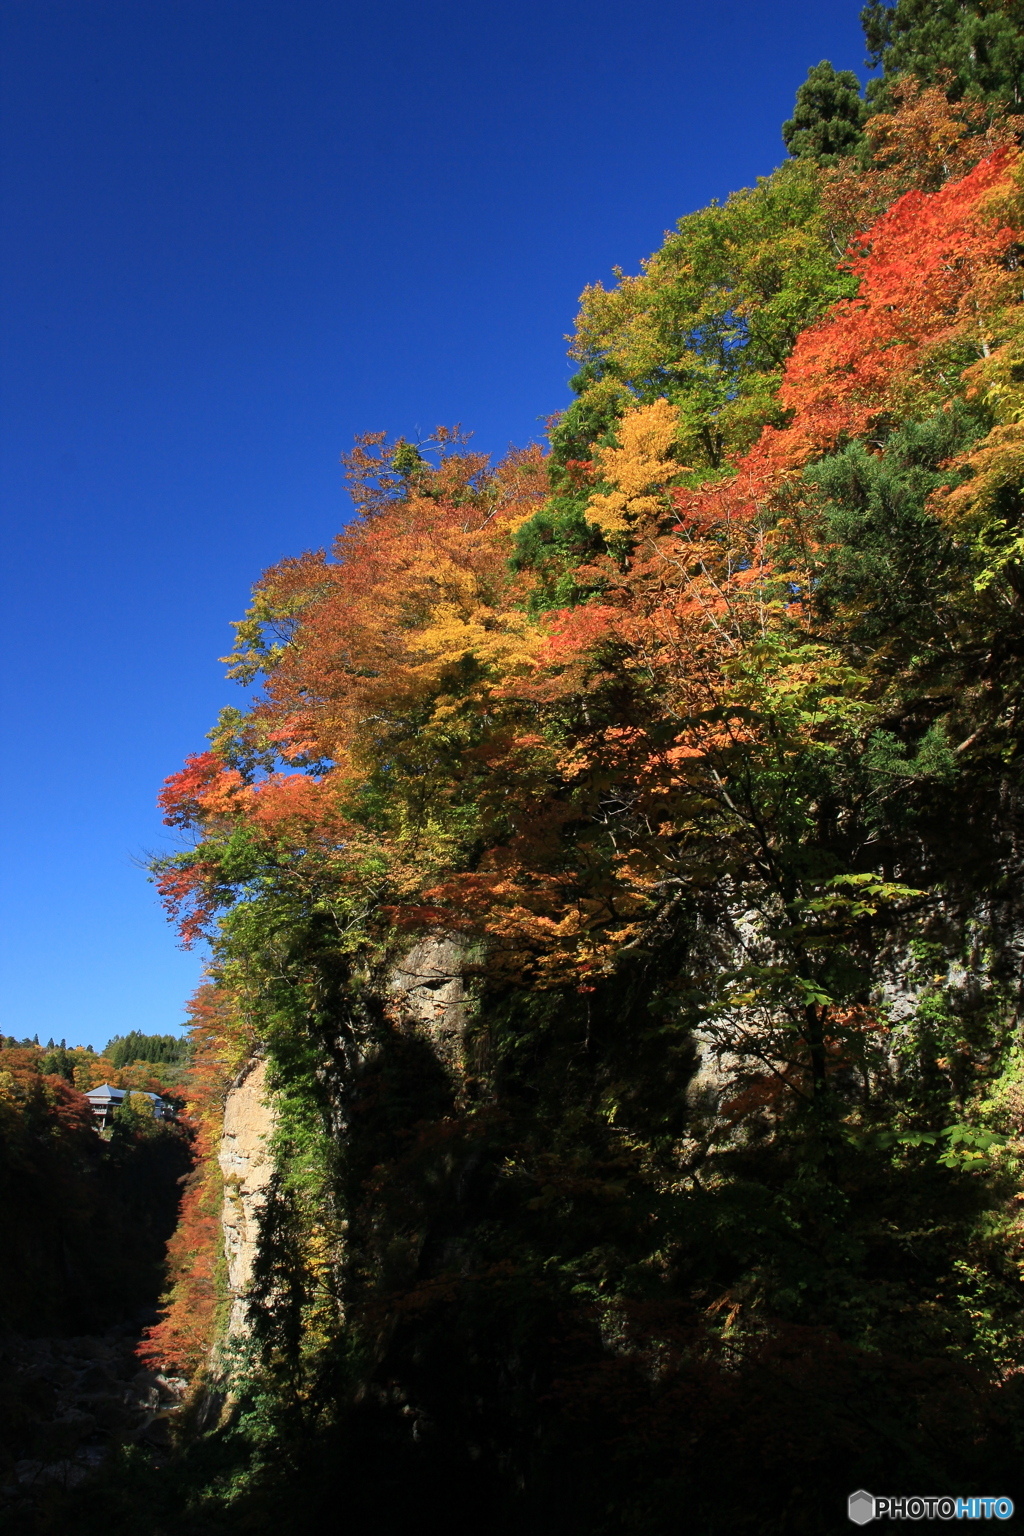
x=889, y=568
x=828, y=117
x=553, y=545
x=407, y=459
x=978, y=43
x=122, y=1050
x=58, y=1062
x=590, y=421
x=711, y=319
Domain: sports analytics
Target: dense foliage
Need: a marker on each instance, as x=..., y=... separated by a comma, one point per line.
x=829, y=115
x=86, y=1216
x=699, y=737
x=978, y=45
x=122, y=1050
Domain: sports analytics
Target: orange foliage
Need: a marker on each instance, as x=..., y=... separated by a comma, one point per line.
x=181, y=1340
x=933, y=270
x=407, y=597
x=937, y=283
x=929, y=140
x=924, y=143
x=936, y=273
x=413, y=654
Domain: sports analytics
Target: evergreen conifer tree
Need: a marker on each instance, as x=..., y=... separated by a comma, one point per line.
x=980, y=43
x=828, y=116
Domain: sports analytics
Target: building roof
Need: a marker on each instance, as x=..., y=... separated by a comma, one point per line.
x=109, y=1092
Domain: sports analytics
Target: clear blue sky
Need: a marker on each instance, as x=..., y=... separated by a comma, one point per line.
x=234, y=233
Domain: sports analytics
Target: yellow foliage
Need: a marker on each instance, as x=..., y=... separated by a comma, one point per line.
x=973, y=511
x=639, y=469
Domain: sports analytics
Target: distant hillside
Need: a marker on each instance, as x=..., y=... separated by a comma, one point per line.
x=122, y=1050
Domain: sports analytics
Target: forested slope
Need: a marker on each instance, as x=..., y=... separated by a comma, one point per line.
x=697, y=734
x=86, y=1216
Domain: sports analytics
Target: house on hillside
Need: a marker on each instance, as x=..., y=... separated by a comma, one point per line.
x=106, y=1098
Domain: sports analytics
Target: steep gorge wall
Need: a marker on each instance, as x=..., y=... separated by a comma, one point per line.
x=427, y=990
x=247, y=1164
x=426, y=994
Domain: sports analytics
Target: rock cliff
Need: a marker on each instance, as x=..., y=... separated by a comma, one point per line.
x=246, y=1164
x=428, y=990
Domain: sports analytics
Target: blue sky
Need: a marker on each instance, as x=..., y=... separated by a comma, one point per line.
x=233, y=235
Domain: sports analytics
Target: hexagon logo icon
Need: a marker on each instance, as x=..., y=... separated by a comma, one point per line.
x=861, y=1507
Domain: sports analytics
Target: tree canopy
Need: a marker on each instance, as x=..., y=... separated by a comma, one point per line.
x=828, y=119
x=135, y=1046
x=977, y=46
x=697, y=735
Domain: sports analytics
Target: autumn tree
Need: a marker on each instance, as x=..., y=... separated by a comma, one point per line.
x=709, y=322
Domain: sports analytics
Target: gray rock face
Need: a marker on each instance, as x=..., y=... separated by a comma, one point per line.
x=247, y=1165
x=428, y=992
x=716, y=1074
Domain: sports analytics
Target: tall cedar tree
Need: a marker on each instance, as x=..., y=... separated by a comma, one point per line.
x=828, y=118
x=977, y=45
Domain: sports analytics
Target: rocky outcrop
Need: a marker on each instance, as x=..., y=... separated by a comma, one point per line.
x=426, y=991
x=67, y=1404
x=247, y=1164
x=429, y=994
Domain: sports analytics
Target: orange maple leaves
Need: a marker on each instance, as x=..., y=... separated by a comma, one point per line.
x=938, y=282
x=412, y=658
x=937, y=269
